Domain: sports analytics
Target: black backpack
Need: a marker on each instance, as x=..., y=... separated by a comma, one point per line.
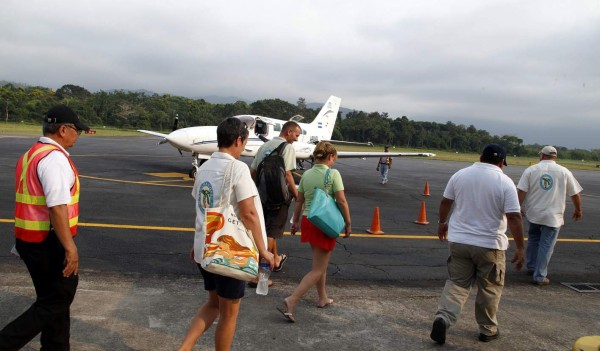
x=270, y=180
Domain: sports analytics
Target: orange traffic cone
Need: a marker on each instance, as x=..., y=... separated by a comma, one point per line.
x=426, y=190
x=375, y=225
x=422, y=215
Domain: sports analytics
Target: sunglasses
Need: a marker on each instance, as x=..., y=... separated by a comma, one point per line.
x=78, y=131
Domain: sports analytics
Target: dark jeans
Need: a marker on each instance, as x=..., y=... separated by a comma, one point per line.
x=49, y=314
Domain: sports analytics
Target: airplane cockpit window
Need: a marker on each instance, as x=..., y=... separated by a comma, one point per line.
x=296, y=118
x=277, y=127
x=261, y=127
x=248, y=120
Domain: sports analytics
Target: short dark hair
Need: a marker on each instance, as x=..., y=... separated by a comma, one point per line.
x=289, y=125
x=229, y=130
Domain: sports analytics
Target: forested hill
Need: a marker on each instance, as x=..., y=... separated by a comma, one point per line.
x=144, y=110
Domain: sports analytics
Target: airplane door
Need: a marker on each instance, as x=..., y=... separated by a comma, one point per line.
x=261, y=128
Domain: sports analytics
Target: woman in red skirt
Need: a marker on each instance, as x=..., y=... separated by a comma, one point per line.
x=322, y=246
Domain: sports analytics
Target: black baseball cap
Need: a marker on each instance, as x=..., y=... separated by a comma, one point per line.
x=494, y=151
x=63, y=114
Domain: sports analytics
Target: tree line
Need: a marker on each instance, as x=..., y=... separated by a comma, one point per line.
x=143, y=110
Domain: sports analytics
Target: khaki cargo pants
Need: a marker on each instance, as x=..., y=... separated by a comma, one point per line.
x=467, y=265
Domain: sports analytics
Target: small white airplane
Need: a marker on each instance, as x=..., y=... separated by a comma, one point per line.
x=202, y=141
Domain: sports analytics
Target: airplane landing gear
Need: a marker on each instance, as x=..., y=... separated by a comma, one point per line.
x=196, y=163
x=192, y=173
x=300, y=163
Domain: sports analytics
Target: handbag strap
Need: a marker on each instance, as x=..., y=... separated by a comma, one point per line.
x=228, y=179
x=326, y=181
x=226, y=185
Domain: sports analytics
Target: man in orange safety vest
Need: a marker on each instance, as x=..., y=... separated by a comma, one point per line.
x=46, y=215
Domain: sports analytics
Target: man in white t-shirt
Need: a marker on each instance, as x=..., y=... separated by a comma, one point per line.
x=542, y=189
x=485, y=203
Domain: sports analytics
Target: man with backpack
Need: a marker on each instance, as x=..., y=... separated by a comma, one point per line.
x=272, y=172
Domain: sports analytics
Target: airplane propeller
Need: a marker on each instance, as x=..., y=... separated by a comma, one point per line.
x=175, y=122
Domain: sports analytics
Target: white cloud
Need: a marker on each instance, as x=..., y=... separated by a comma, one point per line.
x=527, y=68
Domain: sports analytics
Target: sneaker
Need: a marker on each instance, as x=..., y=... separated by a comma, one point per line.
x=438, y=331
x=488, y=338
x=546, y=281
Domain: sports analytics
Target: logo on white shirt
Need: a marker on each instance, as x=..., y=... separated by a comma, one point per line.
x=205, y=196
x=546, y=182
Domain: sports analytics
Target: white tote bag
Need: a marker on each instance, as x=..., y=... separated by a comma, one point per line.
x=229, y=248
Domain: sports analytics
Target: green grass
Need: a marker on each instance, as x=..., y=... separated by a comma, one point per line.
x=34, y=129
x=473, y=157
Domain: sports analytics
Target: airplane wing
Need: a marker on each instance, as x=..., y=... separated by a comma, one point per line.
x=153, y=133
x=352, y=154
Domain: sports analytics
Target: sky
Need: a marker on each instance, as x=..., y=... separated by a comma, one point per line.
x=525, y=68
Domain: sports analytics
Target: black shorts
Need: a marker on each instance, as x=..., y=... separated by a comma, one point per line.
x=229, y=288
x=275, y=221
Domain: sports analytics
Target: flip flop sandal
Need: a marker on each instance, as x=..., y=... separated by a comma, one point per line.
x=284, y=257
x=288, y=315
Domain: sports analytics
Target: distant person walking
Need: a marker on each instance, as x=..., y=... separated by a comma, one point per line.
x=224, y=293
x=322, y=246
x=384, y=165
x=484, y=200
x=276, y=217
x=46, y=216
x=542, y=190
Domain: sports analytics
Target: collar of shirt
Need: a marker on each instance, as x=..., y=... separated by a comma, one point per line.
x=47, y=140
x=222, y=155
x=488, y=166
x=320, y=165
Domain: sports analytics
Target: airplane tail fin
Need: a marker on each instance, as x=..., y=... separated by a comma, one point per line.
x=325, y=120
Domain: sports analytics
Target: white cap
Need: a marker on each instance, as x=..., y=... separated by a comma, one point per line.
x=549, y=150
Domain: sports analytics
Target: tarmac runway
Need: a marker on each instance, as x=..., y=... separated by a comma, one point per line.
x=138, y=289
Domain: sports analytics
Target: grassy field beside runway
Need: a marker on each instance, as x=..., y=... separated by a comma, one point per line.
x=472, y=157
x=34, y=129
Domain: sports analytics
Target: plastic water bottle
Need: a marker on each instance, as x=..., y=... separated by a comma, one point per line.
x=264, y=271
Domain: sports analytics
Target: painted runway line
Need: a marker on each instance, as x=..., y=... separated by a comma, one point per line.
x=361, y=235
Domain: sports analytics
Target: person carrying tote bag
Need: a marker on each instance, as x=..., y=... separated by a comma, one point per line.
x=322, y=246
x=224, y=293
x=229, y=248
x=324, y=212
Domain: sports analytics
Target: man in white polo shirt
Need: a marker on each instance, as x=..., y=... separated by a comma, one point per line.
x=542, y=189
x=485, y=202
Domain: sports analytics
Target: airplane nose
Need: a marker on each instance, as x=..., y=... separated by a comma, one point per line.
x=179, y=139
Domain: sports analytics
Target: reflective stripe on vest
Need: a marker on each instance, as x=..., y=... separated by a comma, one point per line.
x=32, y=216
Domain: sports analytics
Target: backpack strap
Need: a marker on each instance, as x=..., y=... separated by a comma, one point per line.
x=279, y=149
